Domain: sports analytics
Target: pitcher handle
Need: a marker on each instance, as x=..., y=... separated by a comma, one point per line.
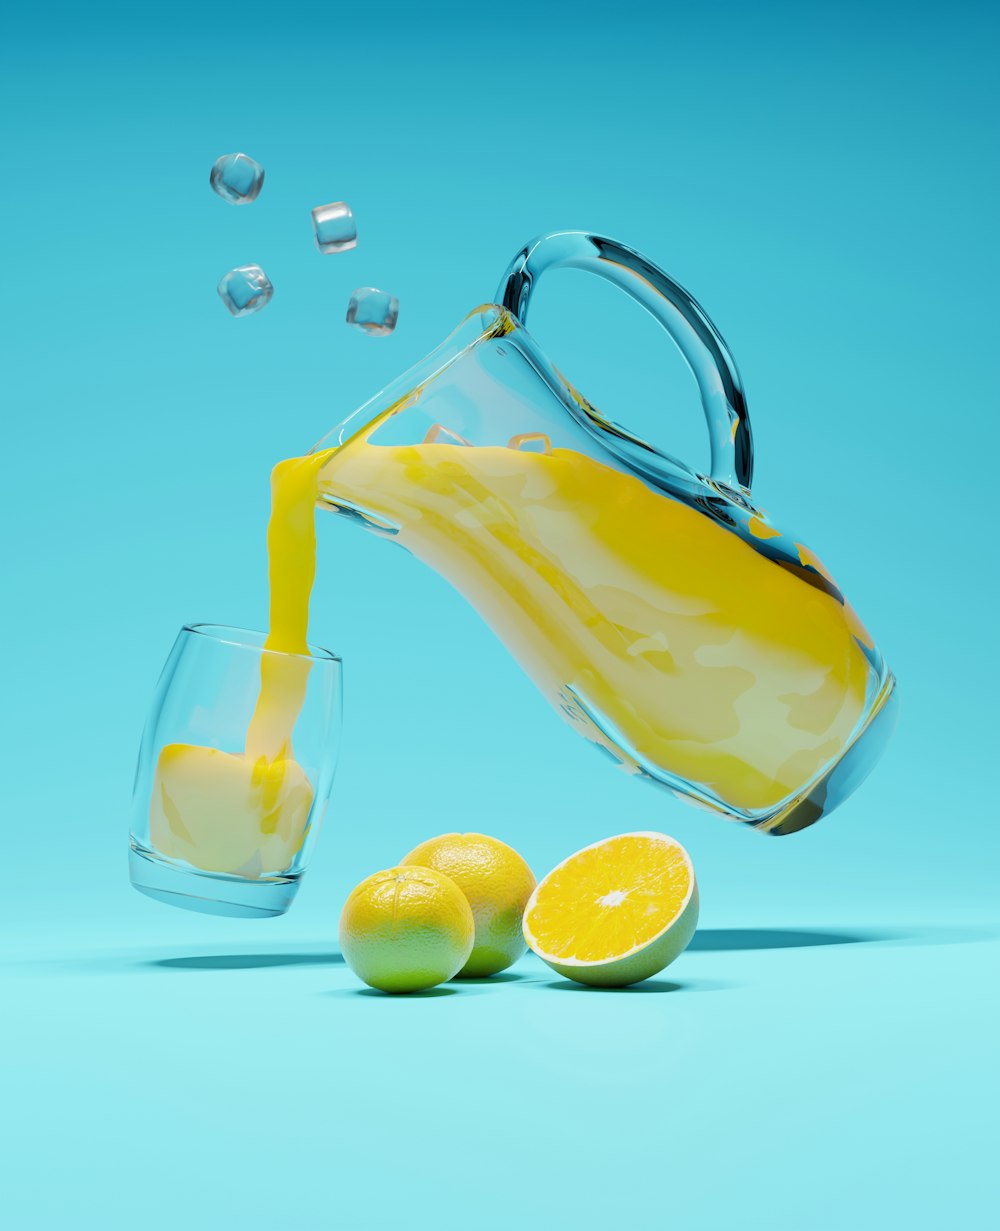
x=687, y=323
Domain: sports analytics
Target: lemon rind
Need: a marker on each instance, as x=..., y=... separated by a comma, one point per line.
x=585, y=963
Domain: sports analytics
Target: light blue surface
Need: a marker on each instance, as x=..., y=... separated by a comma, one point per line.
x=823, y=179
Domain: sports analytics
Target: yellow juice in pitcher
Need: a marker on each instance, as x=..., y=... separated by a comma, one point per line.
x=669, y=639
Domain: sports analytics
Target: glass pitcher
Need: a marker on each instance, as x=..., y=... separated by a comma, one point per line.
x=659, y=610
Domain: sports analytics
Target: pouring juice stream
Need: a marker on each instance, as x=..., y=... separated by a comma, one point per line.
x=246, y=813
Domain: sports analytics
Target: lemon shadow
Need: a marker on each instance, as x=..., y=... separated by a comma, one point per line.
x=650, y=986
x=431, y=993
x=503, y=976
x=647, y=987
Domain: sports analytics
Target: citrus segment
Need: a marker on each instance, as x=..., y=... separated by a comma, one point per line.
x=615, y=912
x=497, y=883
x=406, y=929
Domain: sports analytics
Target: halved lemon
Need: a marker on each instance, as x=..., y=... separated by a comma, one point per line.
x=615, y=913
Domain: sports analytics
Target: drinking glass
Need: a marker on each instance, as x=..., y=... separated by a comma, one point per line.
x=233, y=778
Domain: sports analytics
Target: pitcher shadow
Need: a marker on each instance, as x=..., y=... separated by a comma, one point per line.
x=710, y=940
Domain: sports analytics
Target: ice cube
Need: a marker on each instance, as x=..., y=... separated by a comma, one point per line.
x=530, y=442
x=245, y=290
x=237, y=178
x=437, y=432
x=334, y=227
x=372, y=310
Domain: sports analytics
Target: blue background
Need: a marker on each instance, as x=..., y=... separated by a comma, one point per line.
x=823, y=178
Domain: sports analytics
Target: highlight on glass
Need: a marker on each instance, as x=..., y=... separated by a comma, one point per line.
x=234, y=774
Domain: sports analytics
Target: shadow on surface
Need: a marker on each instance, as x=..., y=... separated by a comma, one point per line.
x=244, y=961
x=62, y=960
x=505, y=976
x=650, y=985
x=713, y=939
x=430, y=994
x=710, y=940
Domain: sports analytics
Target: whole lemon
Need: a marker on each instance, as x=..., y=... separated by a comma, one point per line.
x=406, y=929
x=497, y=883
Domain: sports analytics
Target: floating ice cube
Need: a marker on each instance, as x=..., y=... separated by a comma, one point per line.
x=334, y=227
x=372, y=310
x=245, y=290
x=237, y=178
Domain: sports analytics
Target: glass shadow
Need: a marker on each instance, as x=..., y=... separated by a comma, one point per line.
x=243, y=961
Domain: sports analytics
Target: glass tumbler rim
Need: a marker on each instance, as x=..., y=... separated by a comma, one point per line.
x=253, y=640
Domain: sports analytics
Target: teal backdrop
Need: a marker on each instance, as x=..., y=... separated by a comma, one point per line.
x=823, y=178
